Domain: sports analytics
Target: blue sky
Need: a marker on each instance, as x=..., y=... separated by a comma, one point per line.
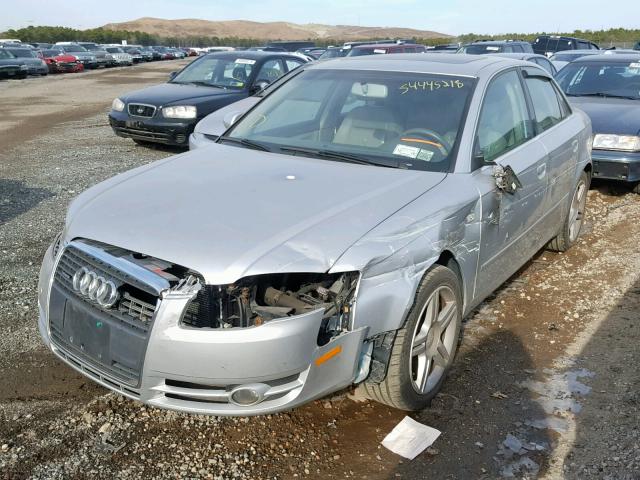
x=447, y=16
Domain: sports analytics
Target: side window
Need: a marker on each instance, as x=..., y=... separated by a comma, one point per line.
x=517, y=48
x=409, y=49
x=504, y=120
x=293, y=64
x=507, y=49
x=545, y=103
x=270, y=71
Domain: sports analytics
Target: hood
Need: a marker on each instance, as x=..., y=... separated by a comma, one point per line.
x=167, y=93
x=12, y=61
x=228, y=212
x=610, y=115
x=30, y=61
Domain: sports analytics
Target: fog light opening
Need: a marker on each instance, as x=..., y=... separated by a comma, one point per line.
x=248, y=395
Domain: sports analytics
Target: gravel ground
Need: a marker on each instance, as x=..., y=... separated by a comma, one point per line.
x=545, y=384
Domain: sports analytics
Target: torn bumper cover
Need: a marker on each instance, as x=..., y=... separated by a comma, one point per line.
x=158, y=359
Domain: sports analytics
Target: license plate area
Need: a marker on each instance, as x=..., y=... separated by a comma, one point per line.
x=96, y=338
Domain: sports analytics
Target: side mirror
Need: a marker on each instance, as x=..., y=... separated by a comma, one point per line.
x=259, y=86
x=172, y=75
x=231, y=118
x=506, y=179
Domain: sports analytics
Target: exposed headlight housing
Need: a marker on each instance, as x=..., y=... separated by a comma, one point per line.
x=180, y=111
x=117, y=105
x=624, y=143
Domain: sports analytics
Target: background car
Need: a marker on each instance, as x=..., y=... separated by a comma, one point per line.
x=59, y=62
x=168, y=113
x=485, y=47
x=120, y=57
x=135, y=53
x=29, y=57
x=103, y=58
x=607, y=88
x=11, y=66
x=88, y=59
x=533, y=58
x=549, y=44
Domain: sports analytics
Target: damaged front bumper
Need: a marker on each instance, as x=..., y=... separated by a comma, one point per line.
x=236, y=371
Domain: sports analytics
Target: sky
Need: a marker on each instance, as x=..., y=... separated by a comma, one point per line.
x=445, y=16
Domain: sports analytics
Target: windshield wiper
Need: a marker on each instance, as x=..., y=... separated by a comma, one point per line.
x=602, y=95
x=331, y=155
x=244, y=142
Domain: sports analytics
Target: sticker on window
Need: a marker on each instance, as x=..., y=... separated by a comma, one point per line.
x=245, y=61
x=406, y=151
x=430, y=85
x=379, y=50
x=425, y=155
x=493, y=49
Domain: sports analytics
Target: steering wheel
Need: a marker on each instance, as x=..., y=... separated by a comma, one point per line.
x=442, y=143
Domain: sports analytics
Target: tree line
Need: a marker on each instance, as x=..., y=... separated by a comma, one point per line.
x=51, y=34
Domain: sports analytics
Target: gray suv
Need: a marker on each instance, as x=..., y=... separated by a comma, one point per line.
x=336, y=234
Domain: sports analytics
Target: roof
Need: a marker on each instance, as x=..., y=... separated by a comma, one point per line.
x=495, y=42
x=520, y=55
x=609, y=58
x=443, y=63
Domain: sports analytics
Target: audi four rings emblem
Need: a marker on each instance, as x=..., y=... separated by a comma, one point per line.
x=91, y=285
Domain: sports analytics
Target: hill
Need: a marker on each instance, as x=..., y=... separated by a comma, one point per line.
x=265, y=31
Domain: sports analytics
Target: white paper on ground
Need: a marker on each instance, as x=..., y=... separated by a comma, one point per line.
x=409, y=438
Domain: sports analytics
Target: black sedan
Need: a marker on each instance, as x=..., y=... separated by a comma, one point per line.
x=10, y=66
x=28, y=56
x=168, y=113
x=607, y=88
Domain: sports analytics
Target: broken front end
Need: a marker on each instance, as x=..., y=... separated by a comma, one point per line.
x=154, y=331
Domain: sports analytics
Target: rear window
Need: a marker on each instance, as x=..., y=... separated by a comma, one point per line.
x=481, y=49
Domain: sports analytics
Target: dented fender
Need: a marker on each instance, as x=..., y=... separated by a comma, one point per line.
x=394, y=256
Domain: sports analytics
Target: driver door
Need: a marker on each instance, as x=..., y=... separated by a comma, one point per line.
x=505, y=137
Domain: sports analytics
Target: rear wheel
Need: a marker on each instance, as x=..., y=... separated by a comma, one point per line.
x=636, y=188
x=425, y=347
x=575, y=217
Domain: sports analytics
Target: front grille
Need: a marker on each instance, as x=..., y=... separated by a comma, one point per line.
x=141, y=110
x=141, y=134
x=135, y=309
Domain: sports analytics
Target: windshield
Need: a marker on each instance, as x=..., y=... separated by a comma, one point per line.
x=114, y=50
x=393, y=119
x=479, y=49
x=22, y=52
x=615, y=79
x=51, y=53
x=74, y=48
x=5, y=54
x=227, y=72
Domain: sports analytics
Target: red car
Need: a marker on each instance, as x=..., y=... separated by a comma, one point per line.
x=61, y=62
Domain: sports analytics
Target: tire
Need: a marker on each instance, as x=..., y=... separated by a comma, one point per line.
x=636, y=188
x=572, y=224
x=408, y=368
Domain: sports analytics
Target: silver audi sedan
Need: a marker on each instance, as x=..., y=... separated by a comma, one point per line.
x=336, y=234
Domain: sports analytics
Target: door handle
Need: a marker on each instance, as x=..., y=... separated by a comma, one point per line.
x=542, y=170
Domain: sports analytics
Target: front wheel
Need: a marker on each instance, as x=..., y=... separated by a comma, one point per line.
x=636, y=188
x=425, y=347
x=572, y=225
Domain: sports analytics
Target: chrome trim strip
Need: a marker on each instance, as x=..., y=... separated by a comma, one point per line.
x=154, y=281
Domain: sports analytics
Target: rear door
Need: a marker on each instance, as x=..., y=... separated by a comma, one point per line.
x=559, y=135
x=505, y=136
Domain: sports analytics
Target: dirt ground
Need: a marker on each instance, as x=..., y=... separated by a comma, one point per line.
x=545, y=384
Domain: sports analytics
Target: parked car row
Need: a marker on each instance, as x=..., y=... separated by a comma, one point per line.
x=18, y=60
